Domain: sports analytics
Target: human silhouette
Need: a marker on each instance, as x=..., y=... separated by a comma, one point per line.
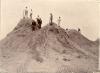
x=51, y=19
x=39, y=21
x=31, y=13
x=33, y=25
x=25, y=14
x=59, y=20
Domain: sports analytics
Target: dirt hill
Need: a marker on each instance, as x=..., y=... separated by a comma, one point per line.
x=50, y=49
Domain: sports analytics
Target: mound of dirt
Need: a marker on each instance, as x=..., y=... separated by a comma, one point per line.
x=49, y=49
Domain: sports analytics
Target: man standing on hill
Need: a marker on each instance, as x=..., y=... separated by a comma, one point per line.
x=51, y=19
x=31, y=13
x=25, y=14
x=59, y=20
x=39, y=21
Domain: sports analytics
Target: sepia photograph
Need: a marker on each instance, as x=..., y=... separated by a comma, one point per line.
x=49, y=36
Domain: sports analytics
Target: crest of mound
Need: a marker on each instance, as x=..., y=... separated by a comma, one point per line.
x=83, y=42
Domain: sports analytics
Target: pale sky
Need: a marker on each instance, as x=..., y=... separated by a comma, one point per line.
x=84, y=14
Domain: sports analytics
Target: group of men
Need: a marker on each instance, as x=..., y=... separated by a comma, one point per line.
x=39, y=20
